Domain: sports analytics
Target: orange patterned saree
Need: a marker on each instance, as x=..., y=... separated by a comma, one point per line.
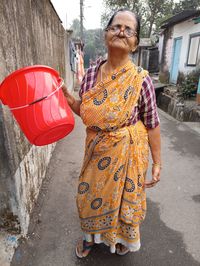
x=111, y=198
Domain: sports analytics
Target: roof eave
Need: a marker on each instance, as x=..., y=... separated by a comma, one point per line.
x=167, y=23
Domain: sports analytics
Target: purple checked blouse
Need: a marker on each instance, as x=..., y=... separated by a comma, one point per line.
x=145, y=109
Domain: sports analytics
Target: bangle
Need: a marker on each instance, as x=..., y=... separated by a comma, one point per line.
x=157, y=164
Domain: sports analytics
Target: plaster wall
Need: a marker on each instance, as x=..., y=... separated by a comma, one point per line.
x=181, y=30
x=31, y=33
x=184, y=30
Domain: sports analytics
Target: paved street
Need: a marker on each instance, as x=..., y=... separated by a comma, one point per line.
x=170, y=234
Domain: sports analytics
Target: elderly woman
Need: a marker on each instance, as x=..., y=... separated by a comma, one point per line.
x=118, y=107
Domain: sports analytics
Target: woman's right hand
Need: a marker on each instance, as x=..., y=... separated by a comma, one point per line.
x=156, y=169
x=73, y=103
x=69, y=97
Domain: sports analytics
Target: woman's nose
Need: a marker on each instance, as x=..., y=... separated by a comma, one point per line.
x=121, y=33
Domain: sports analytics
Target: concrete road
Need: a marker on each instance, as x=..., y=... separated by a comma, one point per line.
x=171, y=232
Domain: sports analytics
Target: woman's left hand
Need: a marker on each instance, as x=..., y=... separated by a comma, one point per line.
x=156, y=169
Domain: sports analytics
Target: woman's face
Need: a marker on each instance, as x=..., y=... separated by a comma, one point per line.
x=123, y=20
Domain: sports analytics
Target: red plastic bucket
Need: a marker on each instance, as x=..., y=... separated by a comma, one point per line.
x=35, y=97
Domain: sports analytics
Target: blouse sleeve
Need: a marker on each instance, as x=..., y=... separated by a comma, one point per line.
x=147, y=104
x=88, y=80
x=82, y=87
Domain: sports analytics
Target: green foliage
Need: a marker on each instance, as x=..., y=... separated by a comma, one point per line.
x=157, y=12
x=186, y=4
x=151, y=12
x=189, y=85
x=94, y=45
x=138, y=6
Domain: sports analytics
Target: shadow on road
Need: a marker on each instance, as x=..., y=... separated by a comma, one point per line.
x=160, y=246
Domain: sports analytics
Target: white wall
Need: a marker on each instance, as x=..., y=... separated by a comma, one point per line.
x=184, y=30
x=168, y=51
x=160, y=47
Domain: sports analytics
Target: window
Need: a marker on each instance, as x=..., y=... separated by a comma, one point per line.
x=194, y=50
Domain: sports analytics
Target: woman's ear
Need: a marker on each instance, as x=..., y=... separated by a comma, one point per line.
x=134, y=49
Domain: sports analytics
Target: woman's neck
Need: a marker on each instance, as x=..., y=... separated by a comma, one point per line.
x=115, y=60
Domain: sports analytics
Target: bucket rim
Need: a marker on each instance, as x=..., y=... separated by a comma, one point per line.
x=14, y=73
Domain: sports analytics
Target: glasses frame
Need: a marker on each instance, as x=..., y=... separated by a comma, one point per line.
x=119, y=29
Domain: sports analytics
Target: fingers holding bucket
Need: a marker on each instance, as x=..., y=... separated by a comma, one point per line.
x=65, y=90
x=69, y=97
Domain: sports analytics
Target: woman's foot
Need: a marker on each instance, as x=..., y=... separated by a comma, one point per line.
x=83, y=248
x=121, y=249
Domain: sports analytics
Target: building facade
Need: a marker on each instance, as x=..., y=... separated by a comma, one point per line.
x=179, y=46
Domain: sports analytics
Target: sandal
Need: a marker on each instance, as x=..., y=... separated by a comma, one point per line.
x=121, y=250
x=83, y=248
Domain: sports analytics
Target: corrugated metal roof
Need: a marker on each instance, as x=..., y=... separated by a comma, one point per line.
x=186, y=14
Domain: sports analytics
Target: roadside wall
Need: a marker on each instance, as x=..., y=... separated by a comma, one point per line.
x=187, y=112
x=31, y=33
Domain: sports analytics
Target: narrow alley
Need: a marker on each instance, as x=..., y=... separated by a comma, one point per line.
x=46, y=49
x=170, y=234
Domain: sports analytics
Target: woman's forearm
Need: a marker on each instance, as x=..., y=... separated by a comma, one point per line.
x=75, y=106
x=155, y=144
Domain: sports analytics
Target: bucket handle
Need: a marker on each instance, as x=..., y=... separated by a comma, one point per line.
x=36, y=101
x=40, y=99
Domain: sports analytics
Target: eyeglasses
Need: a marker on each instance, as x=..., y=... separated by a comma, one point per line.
x=116, y=29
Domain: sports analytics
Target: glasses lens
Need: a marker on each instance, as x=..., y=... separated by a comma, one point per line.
x=115, y=29
x=129, y=33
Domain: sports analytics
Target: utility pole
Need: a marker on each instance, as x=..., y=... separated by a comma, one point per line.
x=81, y=18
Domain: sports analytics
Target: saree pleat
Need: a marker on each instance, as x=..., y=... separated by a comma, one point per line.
x=111, y=198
